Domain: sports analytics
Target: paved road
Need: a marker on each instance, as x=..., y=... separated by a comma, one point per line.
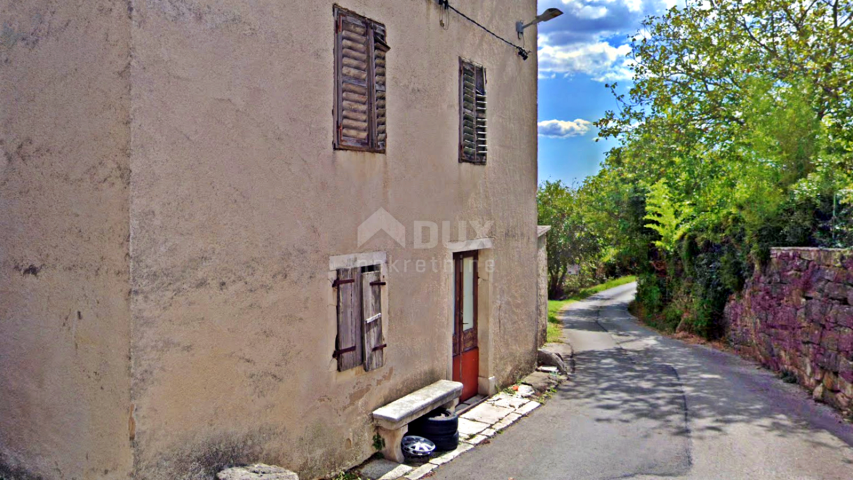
x=645, y=406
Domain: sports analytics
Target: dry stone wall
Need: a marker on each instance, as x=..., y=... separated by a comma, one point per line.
x=796, y=317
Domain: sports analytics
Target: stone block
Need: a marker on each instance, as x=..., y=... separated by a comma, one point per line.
x=844, y=315
x=258, y=471
x=540, y=381
x=552, y=359
x=829, y=340
x=416, y=404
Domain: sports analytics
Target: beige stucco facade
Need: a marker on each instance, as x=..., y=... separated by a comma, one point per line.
x=170, y=207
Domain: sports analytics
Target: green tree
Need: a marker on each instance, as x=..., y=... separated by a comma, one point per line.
x=670, y=224
x=744, y=108
x=571, y=240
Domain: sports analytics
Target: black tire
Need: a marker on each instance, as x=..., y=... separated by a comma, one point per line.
x=446, y=444
x=439, y=423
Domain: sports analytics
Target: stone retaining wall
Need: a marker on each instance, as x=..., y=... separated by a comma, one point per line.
x=796, y=316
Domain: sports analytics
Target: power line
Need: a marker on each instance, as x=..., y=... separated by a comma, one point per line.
x=521, y=51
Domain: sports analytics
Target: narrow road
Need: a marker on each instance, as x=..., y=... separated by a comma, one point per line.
x=641, y=405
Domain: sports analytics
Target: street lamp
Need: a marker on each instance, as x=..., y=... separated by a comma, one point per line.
x=549, y=14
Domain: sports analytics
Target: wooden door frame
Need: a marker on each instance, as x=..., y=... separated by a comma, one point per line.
x=465, y=352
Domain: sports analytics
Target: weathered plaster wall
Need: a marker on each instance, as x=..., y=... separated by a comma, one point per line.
x=796, y=316
x=239, y=200
x=64, y=269
x=542, y=264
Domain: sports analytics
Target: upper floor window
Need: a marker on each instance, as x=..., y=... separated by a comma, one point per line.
x=360, y=50
x=472, y=113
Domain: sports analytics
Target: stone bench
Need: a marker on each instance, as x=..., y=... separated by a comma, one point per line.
x=392, y=420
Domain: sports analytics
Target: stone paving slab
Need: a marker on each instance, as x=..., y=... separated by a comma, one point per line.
x=420, y=472
x=381, y=469
x=448, y=456
x=471, y=427
x=476, y=439
x=507, y=421
x=524, y=410
x=487, y=413
x=506, y=400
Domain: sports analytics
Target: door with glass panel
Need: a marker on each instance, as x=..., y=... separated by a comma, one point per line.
x=466, y=355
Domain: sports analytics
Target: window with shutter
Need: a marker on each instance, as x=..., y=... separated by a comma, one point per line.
x=360, y=80
x=472, y=113
x=360, y=338
x=348, y=347
x=371, y=301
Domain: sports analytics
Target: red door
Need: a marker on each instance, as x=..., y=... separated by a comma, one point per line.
x=466, y=355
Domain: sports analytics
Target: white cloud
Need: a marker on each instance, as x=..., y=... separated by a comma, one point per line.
x=598, y=59
x=592, y=13
x=564, y=128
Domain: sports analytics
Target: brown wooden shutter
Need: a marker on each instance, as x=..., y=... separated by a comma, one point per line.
x=472, y=112
x=380, y=48
x=374, y=340
x=349, y=342
x=353, y=82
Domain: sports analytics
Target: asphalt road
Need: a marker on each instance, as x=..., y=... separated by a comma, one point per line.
x=645, y=406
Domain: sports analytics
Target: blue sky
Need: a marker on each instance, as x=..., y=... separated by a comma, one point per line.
x=578, y=53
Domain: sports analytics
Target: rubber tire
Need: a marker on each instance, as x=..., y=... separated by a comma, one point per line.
x=434, y=424
x=446, y=444
x=439, y=426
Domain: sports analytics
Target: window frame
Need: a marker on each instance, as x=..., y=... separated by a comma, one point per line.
x=477, y=159
x=372, y=28
x=372, y=355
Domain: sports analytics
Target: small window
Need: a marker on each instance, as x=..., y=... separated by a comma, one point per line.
x=472, y=113
x=360, y=338
x=360, y=51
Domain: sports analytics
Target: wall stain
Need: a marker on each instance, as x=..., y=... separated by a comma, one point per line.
x=30, y=270
x=190, y=459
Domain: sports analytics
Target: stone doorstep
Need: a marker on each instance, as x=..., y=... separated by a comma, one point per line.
x=469, y=404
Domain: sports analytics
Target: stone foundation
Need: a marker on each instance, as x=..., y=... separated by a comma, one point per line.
x=796, y=316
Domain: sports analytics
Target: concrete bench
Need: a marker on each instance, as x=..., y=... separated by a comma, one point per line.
x=392, y=420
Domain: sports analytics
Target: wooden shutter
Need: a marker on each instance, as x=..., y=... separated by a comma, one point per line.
x=380, y=48
x=374, y=340
x=472, y=112
x=353, y=60
x=349, y=342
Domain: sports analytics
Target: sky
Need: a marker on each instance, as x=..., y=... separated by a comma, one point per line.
x=579, y=52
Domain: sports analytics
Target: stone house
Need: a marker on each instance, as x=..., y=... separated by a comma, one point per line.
x=230, y=229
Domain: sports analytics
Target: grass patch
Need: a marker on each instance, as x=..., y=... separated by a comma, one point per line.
x=555, y=326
